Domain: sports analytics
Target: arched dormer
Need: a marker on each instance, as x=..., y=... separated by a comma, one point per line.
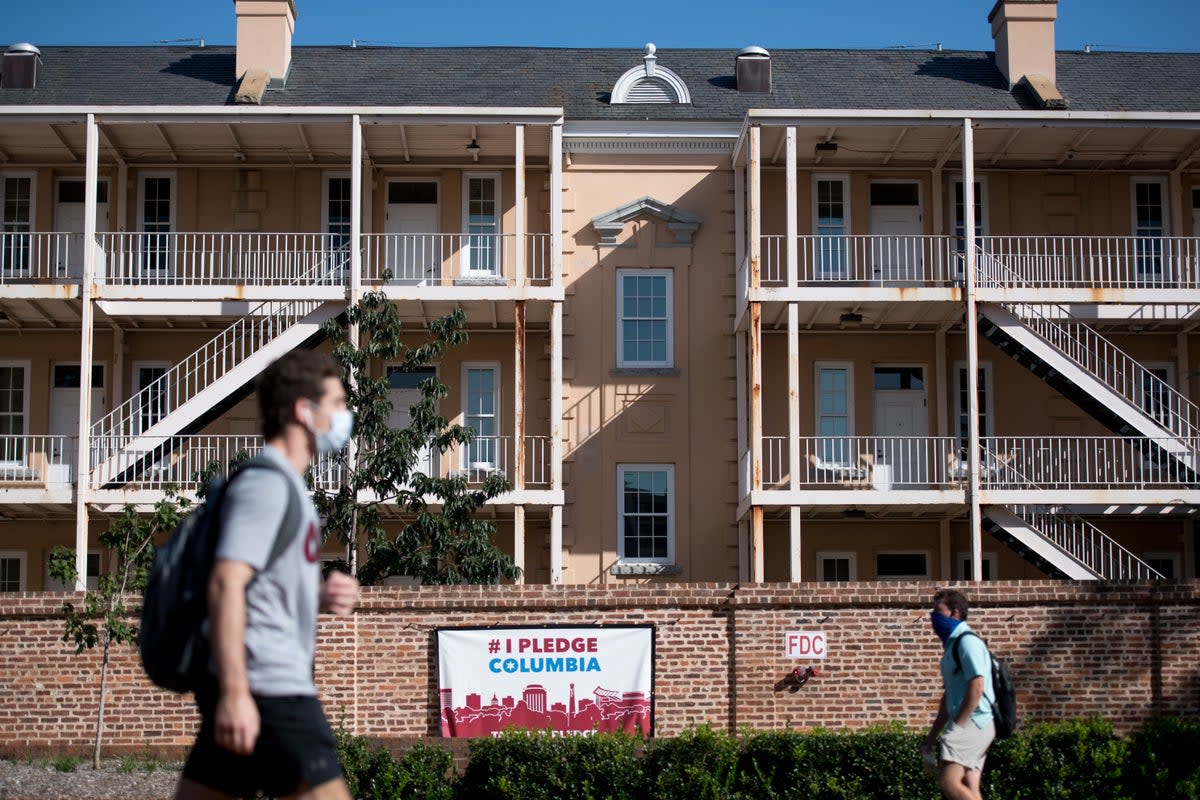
x=650, y=83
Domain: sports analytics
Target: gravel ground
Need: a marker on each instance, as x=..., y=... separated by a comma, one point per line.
x=40, y=781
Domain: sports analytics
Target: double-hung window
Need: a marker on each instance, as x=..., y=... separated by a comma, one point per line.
x=481, y=411
x=831, y=224
x=482, y=217
x=1149, y=227
x=835, y=422
x=335, y=212
x=644, y=319
x=14, y=402
x=12, y=571
x=646, y=513
x=16, y=225
x=984, y=393
x=157, y=222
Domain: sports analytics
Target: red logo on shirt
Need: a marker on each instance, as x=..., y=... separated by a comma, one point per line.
x=312, y=543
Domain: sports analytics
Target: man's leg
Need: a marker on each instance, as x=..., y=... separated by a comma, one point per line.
x=956, y=784
x=335, y=789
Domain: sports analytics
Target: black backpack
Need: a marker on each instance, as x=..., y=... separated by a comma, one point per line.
x=1004, y=704
x=172, y=639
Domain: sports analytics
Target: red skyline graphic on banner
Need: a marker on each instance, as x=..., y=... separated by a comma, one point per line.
x=605, y=711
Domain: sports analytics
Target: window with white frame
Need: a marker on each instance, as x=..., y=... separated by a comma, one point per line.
x=53, y=584
x=481, y=411
x=335, y=219
x=837, y=566
x=901, y=565
x=156, y=220
x=831, y=224
x=960, y=212
x=965, y=572
x=646, y=513
x=12, y=571
x=835, y=411
x=14, y=410
x=1156, y=391
x=644, y=318
x=16, y=223
x=984, y=393
x=151, y=393
x=1149, y=225
x=481, y=213
x=1165, y=564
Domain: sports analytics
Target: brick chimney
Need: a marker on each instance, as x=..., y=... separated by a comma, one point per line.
x=264, y=37
x=1024, y=34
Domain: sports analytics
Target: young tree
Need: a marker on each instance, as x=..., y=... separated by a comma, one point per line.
x=450, y=545
x=103, y=619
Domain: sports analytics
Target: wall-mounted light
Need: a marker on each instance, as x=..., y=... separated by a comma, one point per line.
x=827, y=148
x=473, y=148
x=851, y=318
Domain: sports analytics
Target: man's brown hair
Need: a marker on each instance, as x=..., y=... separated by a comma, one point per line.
x=954, y=600
x=299, y=375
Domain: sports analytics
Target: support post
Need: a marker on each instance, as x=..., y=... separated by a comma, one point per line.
x=86, y=295
x=556, y=442
x=354, y=295
x=795, y=562
x=519, y=395
x=556, y=545
x=519, y=207
x=519, y=540
x=756, y=544
x=556, y=204
x=1182, y=362
x=976, y=519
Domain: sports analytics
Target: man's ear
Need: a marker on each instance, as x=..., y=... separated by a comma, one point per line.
x=302, y=412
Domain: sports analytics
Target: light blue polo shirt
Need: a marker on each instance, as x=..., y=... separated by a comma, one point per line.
x=976, y=661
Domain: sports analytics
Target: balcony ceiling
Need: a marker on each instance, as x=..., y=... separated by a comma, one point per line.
x=288, y=143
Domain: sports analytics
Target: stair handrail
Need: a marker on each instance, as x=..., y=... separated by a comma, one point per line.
x=1090, y=350
x=1083, y=541
x=265, y=318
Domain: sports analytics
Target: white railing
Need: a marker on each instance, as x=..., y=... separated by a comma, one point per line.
x=217, y=358
x=1086, y=543
x=38, y=460
x=208, y=259
x=490, y=454
x=864, y=462
x=1081, y=462
x=864, y=260
x=443, y=258
x=1096, y=262
x=1106, y=362
x=40, y=257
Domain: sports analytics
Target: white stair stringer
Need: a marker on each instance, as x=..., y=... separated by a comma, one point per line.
x=194, y=386
x=1028, y=540
x=1172, y=429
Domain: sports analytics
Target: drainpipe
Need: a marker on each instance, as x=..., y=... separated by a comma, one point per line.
x=793, y=334
x=976, y=522
x=86, y=293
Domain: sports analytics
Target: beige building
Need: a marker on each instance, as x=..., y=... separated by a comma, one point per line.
x=728, y=318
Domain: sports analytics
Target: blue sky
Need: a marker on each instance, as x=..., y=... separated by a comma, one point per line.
x=959, y=24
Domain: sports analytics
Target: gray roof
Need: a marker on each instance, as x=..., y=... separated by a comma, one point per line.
x=579, y=80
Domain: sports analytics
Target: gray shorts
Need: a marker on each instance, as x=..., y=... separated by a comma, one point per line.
x=966, y=745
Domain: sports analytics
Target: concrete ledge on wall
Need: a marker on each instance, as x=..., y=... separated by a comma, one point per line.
x=623, y=570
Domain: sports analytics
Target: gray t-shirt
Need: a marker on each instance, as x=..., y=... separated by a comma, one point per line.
x=281, y=602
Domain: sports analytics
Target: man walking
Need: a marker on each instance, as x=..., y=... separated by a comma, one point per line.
x=964, y=718
x=262, y=728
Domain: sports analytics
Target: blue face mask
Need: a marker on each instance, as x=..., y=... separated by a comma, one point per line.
x=943, y=626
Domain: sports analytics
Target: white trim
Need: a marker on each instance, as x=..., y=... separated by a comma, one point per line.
x=497, y=395
x=844, y=178
x=92, y=581
x=33, y=193
x=1134, y=180
x=826, y=555
x=981, y=202
x=962, y=571
x=914, y=552
x=1166, y=555
x=136, y=385
x=651, y=273
x=669, y=469
x=21, y=557
x=24, y=364
x=326, y=176
x=141, y=196
x=465, y=255
x=822, y=365
x=989, y=396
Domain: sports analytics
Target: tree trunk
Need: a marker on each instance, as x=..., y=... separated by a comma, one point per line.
x=100, y=711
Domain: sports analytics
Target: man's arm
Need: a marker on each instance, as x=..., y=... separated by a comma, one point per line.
x=339, y=593
x=970, y=701
x=939, y=722
x=236, y=718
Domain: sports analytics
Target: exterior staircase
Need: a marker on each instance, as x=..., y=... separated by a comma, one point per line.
x=202, y=386
x=1063, y=544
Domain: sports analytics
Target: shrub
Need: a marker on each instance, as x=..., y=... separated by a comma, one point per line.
x=1057, y=761
x=1163, y=762
x=699, y=764
x=66, y=763
x=533, y=766
x=423, y=771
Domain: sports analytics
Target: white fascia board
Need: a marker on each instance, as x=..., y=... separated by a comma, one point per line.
x=640, y=129
x=982, y=118
x=369, y=114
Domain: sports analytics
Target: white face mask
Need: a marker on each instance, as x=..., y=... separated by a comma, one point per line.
x=341, y=423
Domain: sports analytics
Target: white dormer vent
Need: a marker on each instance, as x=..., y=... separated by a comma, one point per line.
x=650, y=83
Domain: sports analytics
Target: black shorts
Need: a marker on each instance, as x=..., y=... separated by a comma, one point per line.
x=295, y=748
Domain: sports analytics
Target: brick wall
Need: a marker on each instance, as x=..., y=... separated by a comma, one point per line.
x=1124, y=652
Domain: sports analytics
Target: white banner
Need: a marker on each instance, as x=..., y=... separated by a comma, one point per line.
x=576, y=680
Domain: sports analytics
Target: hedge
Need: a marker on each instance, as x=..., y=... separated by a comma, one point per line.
x=1082, y=759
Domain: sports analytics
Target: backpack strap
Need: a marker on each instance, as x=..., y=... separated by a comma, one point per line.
x=289, y=526
x=958, y=656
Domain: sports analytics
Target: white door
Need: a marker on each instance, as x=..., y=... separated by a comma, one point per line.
x=896, y=256
x=404, y=394
x=64, y=401
x=413, y=248
x=68, y=218
x=902, y=451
